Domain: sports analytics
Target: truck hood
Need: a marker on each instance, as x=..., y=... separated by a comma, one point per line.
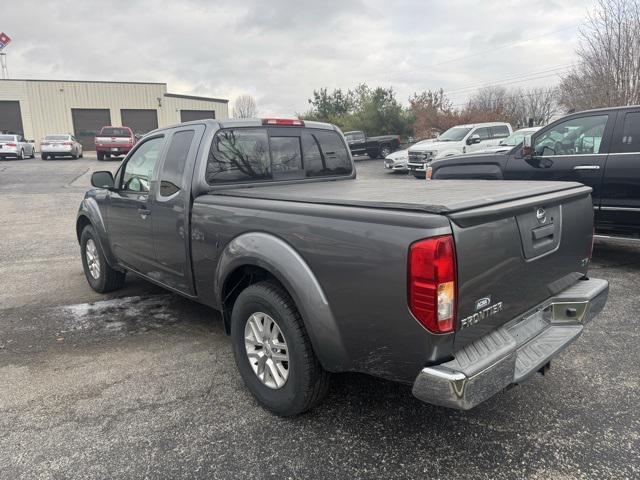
x=433, y=146
x=470, y=159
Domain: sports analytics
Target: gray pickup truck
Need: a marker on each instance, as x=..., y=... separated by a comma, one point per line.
x=459, y=289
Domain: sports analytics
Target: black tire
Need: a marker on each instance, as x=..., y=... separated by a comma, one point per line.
x=100, y=156
x=384, y=151
x=74, y=156
x=44, y=156
x=21, y=157
x=421, y=176
x=81, y=153
x=307, y=382
x=108, y=279
x=33, y=153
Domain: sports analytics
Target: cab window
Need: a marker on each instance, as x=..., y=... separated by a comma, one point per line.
x=577, y=136
x=630, y=141
x=138, y=171
x=484, y=133
x=500, y=131
x=174, y=162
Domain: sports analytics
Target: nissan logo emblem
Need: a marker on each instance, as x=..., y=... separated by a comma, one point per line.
x=541, y=215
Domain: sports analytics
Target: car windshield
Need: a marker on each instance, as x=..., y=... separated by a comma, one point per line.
x=515, y=138
x=57, y=137
x=115, y=132
x=454, y=134
x=7, y=138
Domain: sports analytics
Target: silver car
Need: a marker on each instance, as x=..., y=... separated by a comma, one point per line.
x=397, y=161
x=60, y=145
x=16, y=146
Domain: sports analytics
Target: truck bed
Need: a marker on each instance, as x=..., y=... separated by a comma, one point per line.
x=439, y=197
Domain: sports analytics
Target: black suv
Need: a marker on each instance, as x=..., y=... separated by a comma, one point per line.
x=599, y=148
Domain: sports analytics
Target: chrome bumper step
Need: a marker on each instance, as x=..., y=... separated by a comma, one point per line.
x=514, y=351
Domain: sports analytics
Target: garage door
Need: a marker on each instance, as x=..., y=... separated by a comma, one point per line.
x=140, y=121
x=188, y=115
x=10, y=117
x=87, y=122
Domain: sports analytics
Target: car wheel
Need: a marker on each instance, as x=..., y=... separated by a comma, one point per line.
x=21, y=157
x=81, y=153
x=384, y=151
x=422, y=176
x=74, y=156
x=44, y=156
x=100, y=156
x=101, y=277
x=273, y=352
x=33, y=152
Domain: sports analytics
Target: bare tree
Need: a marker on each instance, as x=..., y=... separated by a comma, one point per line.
x=245, y=107
x=609, y=70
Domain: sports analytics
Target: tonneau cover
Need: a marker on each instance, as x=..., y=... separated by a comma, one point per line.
x=435, y=196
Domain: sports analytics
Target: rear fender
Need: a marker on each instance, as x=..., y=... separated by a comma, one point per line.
x=289, y=268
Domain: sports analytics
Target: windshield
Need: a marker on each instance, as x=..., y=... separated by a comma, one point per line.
x=115, y=132
x=454, y=134
x=57, y=137
x=515, y=138
x=7, y=138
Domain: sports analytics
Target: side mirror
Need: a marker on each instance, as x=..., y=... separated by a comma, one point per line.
x=102, y=179
x=527, y=149
x=475, y=138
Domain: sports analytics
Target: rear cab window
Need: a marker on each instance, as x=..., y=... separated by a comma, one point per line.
x=500, y=131
x=629, y=141
x=251, y=154
x=115, y=132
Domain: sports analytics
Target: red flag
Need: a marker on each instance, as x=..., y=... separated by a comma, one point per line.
x=4, y=39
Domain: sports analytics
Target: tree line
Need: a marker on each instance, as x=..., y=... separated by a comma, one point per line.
x=607, y=74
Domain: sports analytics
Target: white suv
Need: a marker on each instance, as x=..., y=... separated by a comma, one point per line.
x=457, y=140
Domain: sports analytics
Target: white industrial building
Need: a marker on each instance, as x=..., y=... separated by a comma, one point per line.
x=35, y=108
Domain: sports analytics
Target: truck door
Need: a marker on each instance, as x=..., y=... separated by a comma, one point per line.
x=128, y=218
x=485, y=139
x=572, y=150
x=620, y=204
x=170, y=209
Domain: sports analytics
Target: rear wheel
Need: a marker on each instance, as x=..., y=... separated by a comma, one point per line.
x=100, y=155
x=44, y=156
x=273, y=351
x=21, y=157
x=33, y=152
x=101, y=277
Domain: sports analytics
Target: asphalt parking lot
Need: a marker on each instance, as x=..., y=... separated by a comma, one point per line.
x=142, y=383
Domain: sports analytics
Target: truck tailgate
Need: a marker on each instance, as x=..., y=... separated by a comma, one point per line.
x=515, y=254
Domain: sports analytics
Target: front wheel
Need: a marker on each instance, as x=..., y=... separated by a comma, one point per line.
x=273, y=351
x=101, y=277
x=384, y=151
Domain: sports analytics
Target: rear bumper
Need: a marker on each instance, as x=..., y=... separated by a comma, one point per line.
x=513, y=352
x=113, y=149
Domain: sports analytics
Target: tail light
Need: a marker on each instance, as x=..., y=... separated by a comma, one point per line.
x=432, y=283
x=68, y=143
x=11, y=144
x=286, y=122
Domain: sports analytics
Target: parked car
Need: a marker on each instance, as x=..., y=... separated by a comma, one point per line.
x=458, y=289
x=456, y=141
x=114, y=141
x=599, y=148
x=16, y=146
x=511, y=141
x=374, y=147
x=397, y=161
x=60, y=145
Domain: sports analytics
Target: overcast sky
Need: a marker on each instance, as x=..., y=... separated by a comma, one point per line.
x=279, y=51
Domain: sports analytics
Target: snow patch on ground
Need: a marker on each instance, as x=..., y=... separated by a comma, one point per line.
x=127, y=313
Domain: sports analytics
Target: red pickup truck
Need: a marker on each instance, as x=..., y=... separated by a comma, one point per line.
x=114, y=141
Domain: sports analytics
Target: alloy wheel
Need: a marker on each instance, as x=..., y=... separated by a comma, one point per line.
x=267, y=350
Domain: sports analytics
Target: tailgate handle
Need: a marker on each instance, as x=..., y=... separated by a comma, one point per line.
x=543, y=232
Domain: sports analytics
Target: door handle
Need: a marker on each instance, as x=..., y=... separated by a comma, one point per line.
x=587, y=167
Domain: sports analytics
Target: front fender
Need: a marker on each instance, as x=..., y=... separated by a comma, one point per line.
x=89, y=212
x=472, y=171
x=284, y=263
